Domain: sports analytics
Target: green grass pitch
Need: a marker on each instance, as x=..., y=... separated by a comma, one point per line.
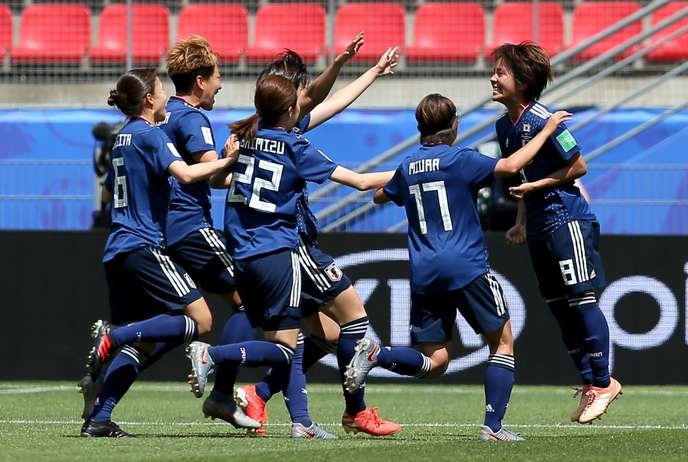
x=39, y=422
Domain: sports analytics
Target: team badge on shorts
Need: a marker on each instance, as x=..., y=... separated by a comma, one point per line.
x=334, y=273
x=189, y=280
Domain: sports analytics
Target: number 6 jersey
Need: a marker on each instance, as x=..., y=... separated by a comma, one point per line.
x=268, y=179
x=438, y=186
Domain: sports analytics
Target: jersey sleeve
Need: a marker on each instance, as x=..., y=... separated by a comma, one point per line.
x=477, y=169
x=163, y=153
x=195, y=134
x=396, y=189
x=302, y=125
x=311, y=163
x=564, y=142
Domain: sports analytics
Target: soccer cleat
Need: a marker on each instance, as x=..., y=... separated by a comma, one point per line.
x=363, y=360
x=486, y=434
x=314, y=432
x=100, y=349
x=253, y=405
x=598, y=401
x=584, y=401
x=107, y=429
x=202, y=365
x=227, y=411
x=367, y=421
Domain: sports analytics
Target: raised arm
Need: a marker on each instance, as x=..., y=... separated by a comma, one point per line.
x=341, y=99
x=320, y=87
x=361, y=181
x=511, y=165
x=186, y=173
x=575, y=169
x=223, y=178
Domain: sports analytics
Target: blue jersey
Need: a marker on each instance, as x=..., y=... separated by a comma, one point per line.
x=438, y=186
x=190, y=131
x=306, y=221
x=268, y=181
x=140, y=158
x=551, y=208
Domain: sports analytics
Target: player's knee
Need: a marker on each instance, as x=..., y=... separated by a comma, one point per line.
x=204, y=323
x=438, y=368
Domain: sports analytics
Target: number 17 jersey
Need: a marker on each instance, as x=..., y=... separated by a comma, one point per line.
x=268, y=180
x=438, y=186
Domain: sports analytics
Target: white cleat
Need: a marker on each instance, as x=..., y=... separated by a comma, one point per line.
x=202, y=365
x=486, y=434
x=598, y=401
x=362, y=362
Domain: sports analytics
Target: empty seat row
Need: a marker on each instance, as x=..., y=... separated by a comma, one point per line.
x=444, y=32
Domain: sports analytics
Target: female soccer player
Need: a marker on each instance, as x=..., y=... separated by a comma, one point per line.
x=262, y=233
x=438, y=185
x=148, y=289
x=561, y=230
x=322, y=332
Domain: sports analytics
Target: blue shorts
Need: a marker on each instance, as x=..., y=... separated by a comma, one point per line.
x=322, y=280
x=567, y=262
x=146, y=282
x=203, y=254
x=481, y=303
x=270, y=288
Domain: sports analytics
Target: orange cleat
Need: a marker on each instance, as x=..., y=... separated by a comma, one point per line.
x=598, y=401
x=254, y=407
x=584, y=401
x=367, y=421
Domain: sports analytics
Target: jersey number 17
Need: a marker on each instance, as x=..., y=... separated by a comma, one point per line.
x=437, y=186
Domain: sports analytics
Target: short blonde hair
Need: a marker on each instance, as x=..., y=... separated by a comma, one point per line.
x=188, y=58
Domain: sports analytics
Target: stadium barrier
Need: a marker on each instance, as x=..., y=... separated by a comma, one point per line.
x=54, y=287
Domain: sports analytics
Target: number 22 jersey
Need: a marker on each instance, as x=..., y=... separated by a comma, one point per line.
x=268, y=180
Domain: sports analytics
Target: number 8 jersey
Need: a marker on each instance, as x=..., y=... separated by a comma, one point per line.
x=268, y=179
x=438, y=186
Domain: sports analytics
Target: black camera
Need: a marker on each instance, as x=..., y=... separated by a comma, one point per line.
x=105, y=135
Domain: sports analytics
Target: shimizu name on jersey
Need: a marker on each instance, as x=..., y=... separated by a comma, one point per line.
x=123, y=139
x=423, y=166
x=265, y=145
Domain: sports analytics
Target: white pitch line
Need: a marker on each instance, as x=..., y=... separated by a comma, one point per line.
x=335, y=424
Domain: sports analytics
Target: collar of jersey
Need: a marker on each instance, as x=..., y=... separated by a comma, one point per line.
x=183, y=101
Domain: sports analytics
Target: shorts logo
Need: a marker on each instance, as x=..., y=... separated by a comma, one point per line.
x=189, y=280
x=333, y=272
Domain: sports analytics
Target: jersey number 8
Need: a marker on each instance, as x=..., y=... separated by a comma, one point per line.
x=258, y=183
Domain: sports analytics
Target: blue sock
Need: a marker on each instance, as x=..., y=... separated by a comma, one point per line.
x=123, y=370
x=349, y=334
x=295, y=393
x=163, y=327
x=237, y=329
x=499, y=380
x=252, y=353
x=595, y=337
x=572, y=335
x=404, y=361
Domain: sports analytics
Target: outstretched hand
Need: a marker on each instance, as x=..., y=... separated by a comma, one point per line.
x=388, y=61
x=557, y=118
x=351, y=49
x=231, y=150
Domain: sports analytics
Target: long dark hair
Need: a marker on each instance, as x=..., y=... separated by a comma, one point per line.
x=435, y=114
x=274, y=96
x=131, y=90
x=529, y=64
x=288, y=64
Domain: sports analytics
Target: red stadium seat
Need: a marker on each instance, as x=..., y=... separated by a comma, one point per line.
x=297, y=26
x=448, y=32
x=513, y=23
x=677, y=48
x=224, y=25
x=53, y=32
x=150, y=35
x=590, y=18
x=383, y=24
x=5, y=29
